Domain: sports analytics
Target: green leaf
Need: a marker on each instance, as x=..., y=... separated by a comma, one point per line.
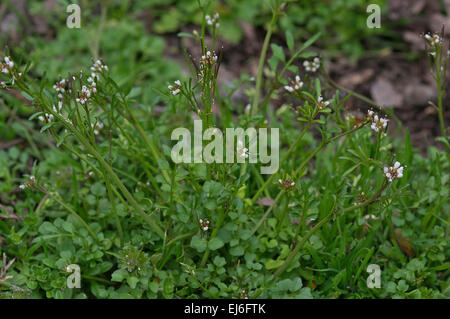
x=119, y=275
x=163, y=164
x=198, y=243
x=215, y=243
x=27, y=96
x=237, y=251
x=290, y=41
x=132, y=281
x=219, y=261
x=273, y=264
x=98, y=189
x=48, y=228
x=278, y=52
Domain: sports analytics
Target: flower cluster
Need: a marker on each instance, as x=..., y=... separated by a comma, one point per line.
x=97, y=127
x=435, y=41
x=60, y=87
x=243, y=294
x=97, y=68
x=393, y=172
x=321, y=104
x=29, y=183
x=287, y=184
x=84, y=96
x=312, y=66
x=7, y=66
x=214, y=21
x=379, y=124
x=204, y=224
x=176, y=88
x=46, y=118
x=241, y=149
x=208, y=59
x=295, y=85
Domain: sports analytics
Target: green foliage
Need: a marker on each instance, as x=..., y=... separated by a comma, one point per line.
x=114, y=203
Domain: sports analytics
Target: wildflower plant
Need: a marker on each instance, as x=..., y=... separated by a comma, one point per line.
x=438, y=54
x=140, y=225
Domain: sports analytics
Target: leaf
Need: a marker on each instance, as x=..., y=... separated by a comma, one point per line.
x=215, y=243
x=98, y=189
x=290, y=41
x=237, y=251
x=403, y=243
x=163, y=164
x=47, y=126
x=185, y=35
x=273, y=264
x=198, y=243
x=219, y=261
x=132, y=282
x=27, y=96
x=119, y=275
x=48, y=228
x=278, y=52
x=241, y=191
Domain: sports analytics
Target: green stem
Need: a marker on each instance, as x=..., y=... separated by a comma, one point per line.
x=284, y=211
x=262, y=60
x=213, y=235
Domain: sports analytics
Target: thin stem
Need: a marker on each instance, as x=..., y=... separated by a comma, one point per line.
x=262, y=60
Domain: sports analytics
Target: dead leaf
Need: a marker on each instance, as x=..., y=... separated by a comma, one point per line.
x=403, y=243
x=313, y=284
x=265, y=201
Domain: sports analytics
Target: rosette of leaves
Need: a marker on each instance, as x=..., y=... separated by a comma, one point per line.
x=133, y=259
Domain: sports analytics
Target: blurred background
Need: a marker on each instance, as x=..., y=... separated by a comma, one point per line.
x=140, y=43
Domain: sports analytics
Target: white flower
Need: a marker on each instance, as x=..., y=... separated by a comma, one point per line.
x=435, y=41
x=295, y=85
x=46, y=118
x=312, y=66
x=393, y=172
x=287, y=184
x=2, y=84
x=241, y=150
x=9, y=62
x=176, y=88
x=6, y=66
x=213, y=21
x=60, y=86
x=98, y=67
x=204, y=224
x=208, y=59
x=321, y=104
x=378, y=123
x=84, y=96
x=97, y=127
